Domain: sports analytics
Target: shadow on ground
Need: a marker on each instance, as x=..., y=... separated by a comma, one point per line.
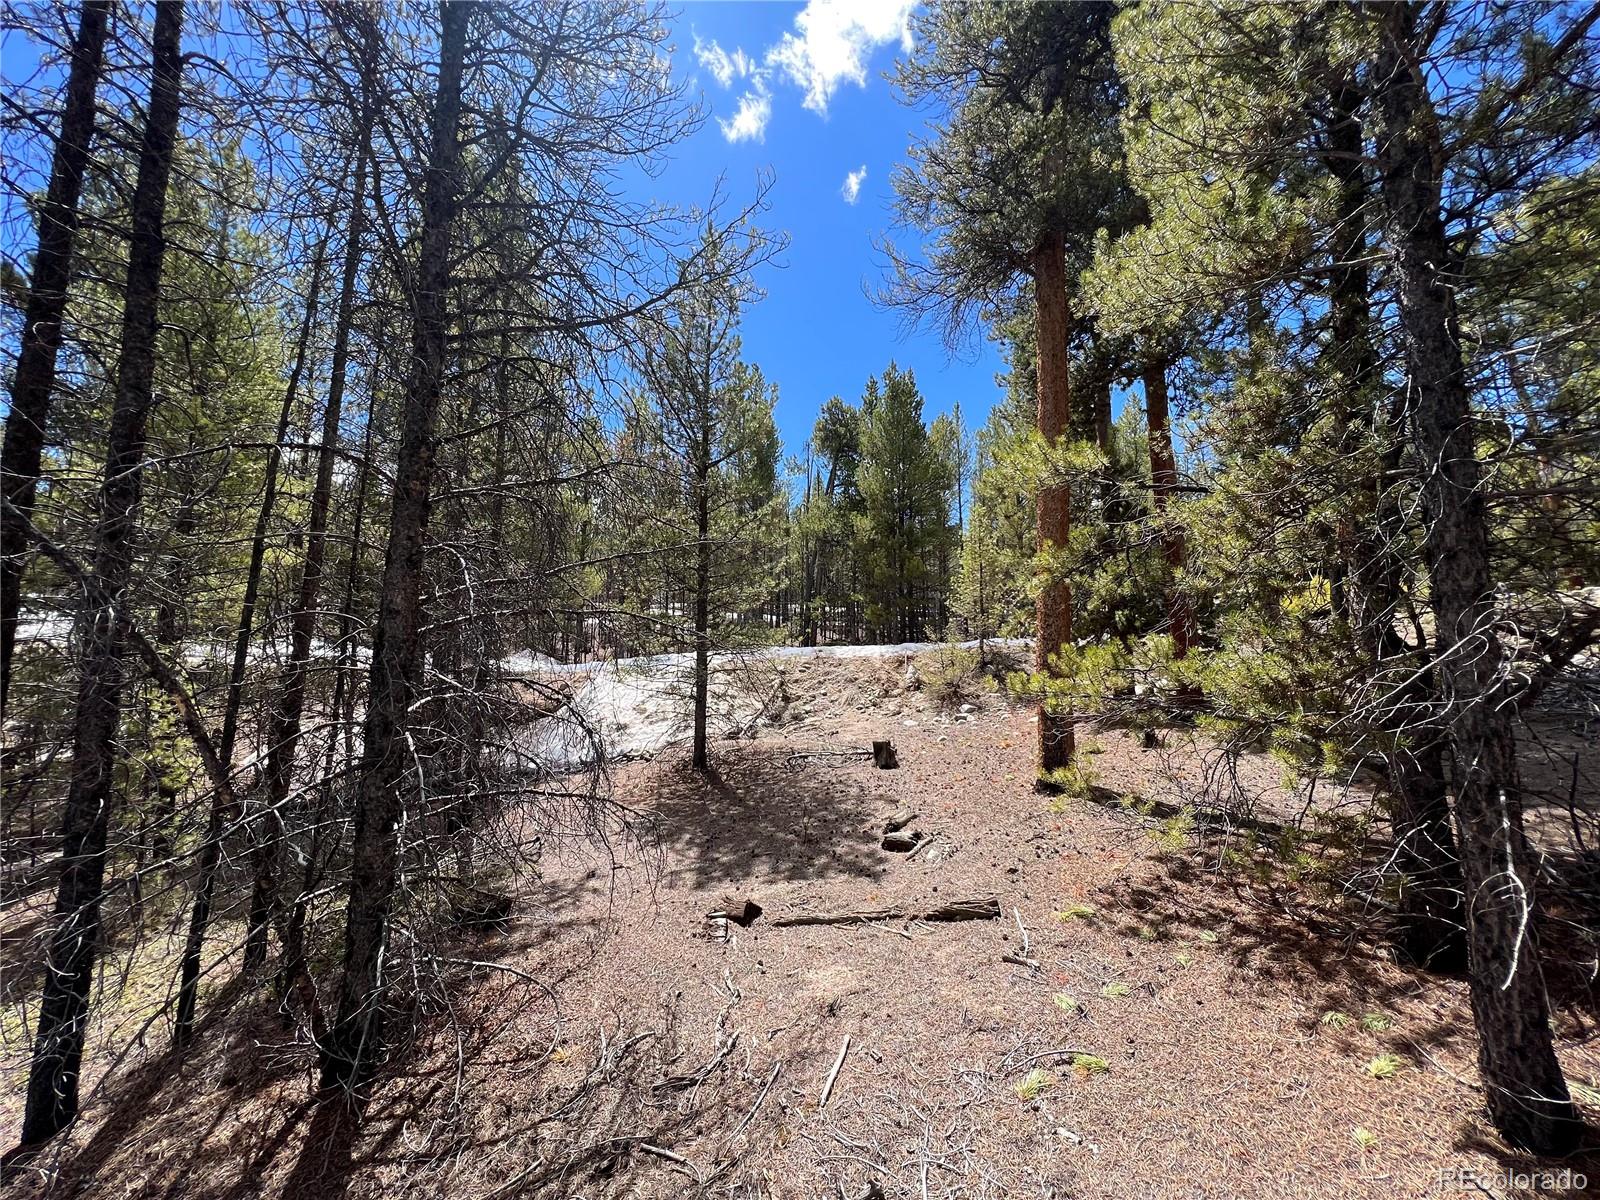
x=755, y=818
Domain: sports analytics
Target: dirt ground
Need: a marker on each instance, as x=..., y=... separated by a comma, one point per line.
x=1173, y=1040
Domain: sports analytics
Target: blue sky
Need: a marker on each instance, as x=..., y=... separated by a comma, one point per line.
x=799, y=90
x=795, y=90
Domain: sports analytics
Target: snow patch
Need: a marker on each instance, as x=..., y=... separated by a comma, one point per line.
x=638, y=707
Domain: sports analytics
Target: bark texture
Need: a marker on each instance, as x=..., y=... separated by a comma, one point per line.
x=353, y=1048
x=52, y=1100
x=1054, y=609
x=1163, y=491
x=1526, y=1093
x=1430, y=929
x=23, y=452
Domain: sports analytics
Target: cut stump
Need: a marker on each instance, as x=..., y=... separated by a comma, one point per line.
x=741, y=910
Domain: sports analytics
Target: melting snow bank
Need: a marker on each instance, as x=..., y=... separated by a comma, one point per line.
x=637, y=707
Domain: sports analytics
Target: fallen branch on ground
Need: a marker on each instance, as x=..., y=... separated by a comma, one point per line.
x=802, y=755
x=984, y=908
x=1056, y=1053
x=767, y=1087
x=827, y=1088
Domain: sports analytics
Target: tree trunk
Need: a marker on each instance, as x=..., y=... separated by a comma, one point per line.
x=223, y=803
x=52, y=1101
x=283, y=740
x=1526, y=1093
x=1163, y=491
x=29, y=411
x=702, y=609
x=808, y=564
x=353, y=1047
x=1054, y=609
x=258, y=537
x=1430, y=930
x=294, y=974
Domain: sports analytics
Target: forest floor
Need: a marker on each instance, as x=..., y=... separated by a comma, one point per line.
x=1174, y=1039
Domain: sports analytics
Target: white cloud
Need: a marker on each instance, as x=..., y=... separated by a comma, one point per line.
x=724, y=67
x=750, y=118
x=831, y=43
x=852, y=184
x=835, y=38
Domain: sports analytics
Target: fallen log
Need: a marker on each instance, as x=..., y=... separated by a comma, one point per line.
x=981, y=908
x=901, y=841
x=891, y=822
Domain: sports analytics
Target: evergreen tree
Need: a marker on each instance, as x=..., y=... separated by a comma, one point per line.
x=1011, y=186
x=52, y=1098
x=28, y=412
x=713, y=506
x=907, y=480
x=827, y=523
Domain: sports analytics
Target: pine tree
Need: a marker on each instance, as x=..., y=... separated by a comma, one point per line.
x=356, y=1040
x=1007, y=189
x=906, y=480
x=28, y=412
x=52, y=1100
x=704, y=427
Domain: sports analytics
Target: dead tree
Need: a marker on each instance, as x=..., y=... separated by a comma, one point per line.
x=224, y=805
x=284, y=735
x=355, y=1042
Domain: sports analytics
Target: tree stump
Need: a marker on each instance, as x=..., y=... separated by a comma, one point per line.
x=884, y=757
x=741, y=910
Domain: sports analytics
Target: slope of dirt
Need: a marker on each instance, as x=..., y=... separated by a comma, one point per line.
x=608, y=1046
